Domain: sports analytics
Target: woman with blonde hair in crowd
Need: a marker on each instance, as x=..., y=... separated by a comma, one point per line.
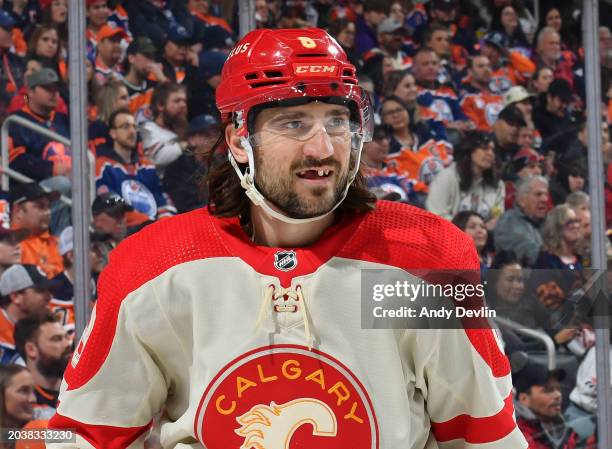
x=110, y=97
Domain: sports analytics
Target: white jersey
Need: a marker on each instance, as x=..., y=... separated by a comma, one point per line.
x=245, y=346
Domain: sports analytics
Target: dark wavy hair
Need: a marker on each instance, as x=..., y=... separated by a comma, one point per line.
x=463, y=157
x=227, y=198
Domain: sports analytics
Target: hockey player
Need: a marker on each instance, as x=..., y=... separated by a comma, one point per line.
x=243, y=323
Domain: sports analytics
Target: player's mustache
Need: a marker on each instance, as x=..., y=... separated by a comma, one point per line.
x=312, y=163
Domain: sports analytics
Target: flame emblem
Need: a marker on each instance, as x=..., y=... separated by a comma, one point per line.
x=271, y=427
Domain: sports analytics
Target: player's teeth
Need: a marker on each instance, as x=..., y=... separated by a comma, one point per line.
x=326, y=172
x=321, y=172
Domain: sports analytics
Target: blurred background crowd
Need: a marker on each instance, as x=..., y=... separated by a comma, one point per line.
x=480, y=118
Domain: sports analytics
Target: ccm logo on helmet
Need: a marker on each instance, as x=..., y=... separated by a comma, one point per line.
x=314, y=69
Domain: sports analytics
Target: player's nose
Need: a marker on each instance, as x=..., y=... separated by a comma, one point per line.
x=318, y=146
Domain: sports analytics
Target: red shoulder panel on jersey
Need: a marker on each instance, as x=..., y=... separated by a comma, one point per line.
x=412, y=239
x=477, y=430
x=137, y=260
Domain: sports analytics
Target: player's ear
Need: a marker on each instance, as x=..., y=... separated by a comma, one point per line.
x=234, y=144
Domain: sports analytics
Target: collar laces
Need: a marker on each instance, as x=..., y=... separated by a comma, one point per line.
x=275, y=297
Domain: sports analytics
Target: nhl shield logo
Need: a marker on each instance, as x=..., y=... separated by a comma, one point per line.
x=285, y=260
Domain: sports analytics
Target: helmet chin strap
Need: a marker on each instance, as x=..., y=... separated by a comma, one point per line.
x=247, y=181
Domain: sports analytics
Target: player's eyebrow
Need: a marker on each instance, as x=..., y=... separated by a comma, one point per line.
x=281, y=116
x=339, y=112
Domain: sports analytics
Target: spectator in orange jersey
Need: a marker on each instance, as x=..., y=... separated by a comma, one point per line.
x=509, y=67
x=25, y=292
x=31, y=211
x=479, y=104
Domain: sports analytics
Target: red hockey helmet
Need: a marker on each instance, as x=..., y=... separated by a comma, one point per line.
x=273, y=66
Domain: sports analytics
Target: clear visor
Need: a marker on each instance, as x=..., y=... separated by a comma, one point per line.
x=300, y=126
x=350, y=117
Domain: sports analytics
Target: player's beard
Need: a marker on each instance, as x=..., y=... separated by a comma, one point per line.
x=280, y=191
x=52, y=367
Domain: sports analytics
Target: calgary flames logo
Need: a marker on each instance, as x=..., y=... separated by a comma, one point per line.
x=271, y=427
x=314, y=401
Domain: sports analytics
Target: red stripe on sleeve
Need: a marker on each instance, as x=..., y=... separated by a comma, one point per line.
x=477, y=430
x=107, y=437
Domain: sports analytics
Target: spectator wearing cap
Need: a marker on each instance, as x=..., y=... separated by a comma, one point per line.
x=10, y=248
x=200, y=9
x=121, y=169
x=548, y=54
x=390, y=37
x=478, y=102
x=179, y=60
x=469, y=183
x=374, y=12
x=509, y=67
x=142, y=75
x=183, y=177
x=155, y=19
x=13, y=66
x=165, y=137
x=518, y=95
x=438, y=105
x=538, y=407
x=32, y=212
x=46, y=349
x=62, y=285
x=24, y=291
x=518, y=229
x=551, y=115
x=26, y=147
x=506, y=131
x=108, y=53
x=109, y=219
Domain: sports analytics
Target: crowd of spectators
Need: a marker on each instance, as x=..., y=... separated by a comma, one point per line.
x=480, y=118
